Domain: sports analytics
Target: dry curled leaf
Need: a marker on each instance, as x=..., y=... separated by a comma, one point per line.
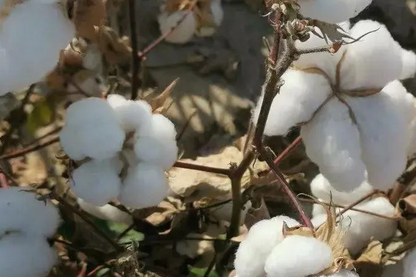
x=87, y=15
x=160, y=104
x=115, y=49
x=369, y=264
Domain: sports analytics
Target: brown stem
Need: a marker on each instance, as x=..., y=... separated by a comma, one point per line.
x=135, y=60
x=27, y=150
x=365, y=197
x=288, y=149
x=215, y=170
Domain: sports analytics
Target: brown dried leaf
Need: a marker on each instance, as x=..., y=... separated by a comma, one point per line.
x=160, y=100
x=114, y=48
x=369, y=264
x=87, y=15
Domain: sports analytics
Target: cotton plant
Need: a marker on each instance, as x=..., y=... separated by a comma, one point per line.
x=32, y=34
x=280, y=247
x=25, y=227
x=354, y=114
x=124, y=151
x=200, y=22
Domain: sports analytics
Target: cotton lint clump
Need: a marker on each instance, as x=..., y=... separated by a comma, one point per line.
x=123, y=151
x=44, y=27
x=26, y=225
x=350, y=107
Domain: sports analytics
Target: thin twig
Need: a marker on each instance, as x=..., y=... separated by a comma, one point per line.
x=215, y=170
x=288, y=149
x=30, y=149
x=135, y=60
x=362, y=199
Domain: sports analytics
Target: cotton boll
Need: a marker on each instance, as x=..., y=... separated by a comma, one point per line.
x=299, y=97
x=383, y=130
x=411, y=141
x=96, y=128
x=260, y=241
x=332, y=141
x=160, y=127
x=217, y=12
x=21, y=211
x=332, y=11
x=96, y=182
x=322, y=189
x=27, y=256
x=106, y=212
x=346, y=273
x=131, y=114
x=409, y=264
x=408, y=64
x=373, y=61
x=156, y=151
x=184, y=32
x=318, y=220
x=42, y=26
x=145, y=186
x=298, y=256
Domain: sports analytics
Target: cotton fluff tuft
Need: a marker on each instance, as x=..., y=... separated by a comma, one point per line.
x=345, y=273
x=97, y=182
x=21, y=211
x=144, y=186
x=298, y=256
x=332, y=11
x=184, y=32
x=261, y=239
x=91, y=130
x=22, y=255
x=106, y=212
x=44, y=27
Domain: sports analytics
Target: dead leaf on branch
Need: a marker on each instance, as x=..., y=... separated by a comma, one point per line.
x=87, y=15
x=369, y=264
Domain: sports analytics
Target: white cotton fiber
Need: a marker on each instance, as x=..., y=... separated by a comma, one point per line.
x=408, y=64
x=346, y=273
x=373, y=61
x=217, y=12
x=184, y=32
x=145, y=186
x=332, y=141
x=409, y=264
x=91, y=130
x=298, y=256
x=97, y=182
x=106, y=212
x=31, y=39
x=322, y=189
x=383, y=135
x=260, y=241
x=131, y=114
x=299, y=97
x=26, y=256
x=156, y=151
x=361, y=227
x=21, y=211
x=160, y=127
x=332, y=11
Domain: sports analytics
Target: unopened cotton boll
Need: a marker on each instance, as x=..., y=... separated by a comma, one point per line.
x=332, y=11
x=259, y=243
x=156, y=151
x=299, y=97
x=131, y=114
x=28, y=256
x=91, y=130
x=97, y=182
x=21, y=211
x=373, y=61
x=106, y=212
x=145, y=186
x=298, y=256
x=184, y=32
x=42, y=26
x=332, y=141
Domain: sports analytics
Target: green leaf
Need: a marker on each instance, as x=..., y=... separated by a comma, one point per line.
x=102, y=272
x=42, y=114
x=200, y=272
x=114, y=230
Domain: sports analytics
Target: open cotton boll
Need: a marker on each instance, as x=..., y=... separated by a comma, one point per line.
x=298, y=256
x=42, y=26
x=184, y=32
x=408, y=64
x=409, y=264
x=259, y=243
x=299, y=97
x=360, y=227
x=21, y=211
x=332, y=141
x=131, y=114
x=160, y=127
x=28, y=256
x=373, y=61
x=321, y=188
x=145, y=186
x=97, y=182
x=411, y=141
x=106, y=212
x=332, y=11
x=345, y=273
x=154, y=150
x=383, y=131
x=91, y=130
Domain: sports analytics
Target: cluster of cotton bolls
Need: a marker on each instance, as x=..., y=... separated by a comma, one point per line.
x=124, y=148
x=25, y=226
x=359, y=227
x=266, y=251
x=350, y=138
x=190, y=26
x=41, y=24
